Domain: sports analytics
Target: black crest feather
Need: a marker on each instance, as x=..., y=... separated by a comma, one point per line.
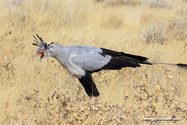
x=51, y=43
x=34, y=44
x=37, y=43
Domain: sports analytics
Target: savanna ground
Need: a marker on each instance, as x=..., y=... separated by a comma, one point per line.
x=43, y=93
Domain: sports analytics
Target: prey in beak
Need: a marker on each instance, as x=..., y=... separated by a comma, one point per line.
x=40, y=56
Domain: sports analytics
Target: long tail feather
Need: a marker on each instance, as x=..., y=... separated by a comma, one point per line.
x=181, y=65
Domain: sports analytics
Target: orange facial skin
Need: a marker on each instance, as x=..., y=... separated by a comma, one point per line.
x=41, y=53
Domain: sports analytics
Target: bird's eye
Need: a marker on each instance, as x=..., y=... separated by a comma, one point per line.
x=42, y=52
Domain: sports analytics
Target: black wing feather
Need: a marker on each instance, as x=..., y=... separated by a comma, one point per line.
x=120, y=60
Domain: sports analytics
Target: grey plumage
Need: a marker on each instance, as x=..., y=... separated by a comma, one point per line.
x=81, y=61
x=89, y=58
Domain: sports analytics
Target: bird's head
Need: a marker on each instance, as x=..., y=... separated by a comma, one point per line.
x=44, y=49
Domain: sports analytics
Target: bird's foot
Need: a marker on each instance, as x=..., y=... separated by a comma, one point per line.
x=89, y=102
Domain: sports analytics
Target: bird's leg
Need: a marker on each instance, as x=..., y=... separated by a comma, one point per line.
x=90, y=87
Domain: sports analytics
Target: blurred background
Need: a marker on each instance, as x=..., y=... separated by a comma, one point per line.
x=44, y=93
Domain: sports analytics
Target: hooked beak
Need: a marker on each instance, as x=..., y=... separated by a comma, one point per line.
x=39, y=57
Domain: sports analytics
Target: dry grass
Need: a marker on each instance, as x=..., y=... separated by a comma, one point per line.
x=43, y=93
x=150, y=3
x=166, y=31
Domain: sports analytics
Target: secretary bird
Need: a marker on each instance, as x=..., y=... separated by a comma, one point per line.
x=81, y=61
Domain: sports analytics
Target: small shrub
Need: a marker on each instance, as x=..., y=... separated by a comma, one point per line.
x=120, y=2
x=151, y=3
x=156, y=33
x=165, y=31
x=160, y=3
